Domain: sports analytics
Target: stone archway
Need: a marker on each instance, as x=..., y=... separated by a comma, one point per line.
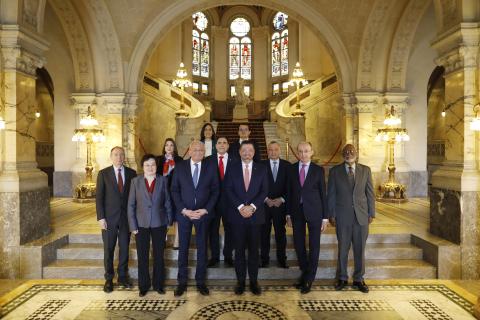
x=300, y=10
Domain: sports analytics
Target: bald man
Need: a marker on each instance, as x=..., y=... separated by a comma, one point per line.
x=195, y=189
x=351, y=206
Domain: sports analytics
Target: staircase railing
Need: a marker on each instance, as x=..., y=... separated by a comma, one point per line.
x=187, y=128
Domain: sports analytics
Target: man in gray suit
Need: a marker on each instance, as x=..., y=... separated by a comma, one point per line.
x=351, y=204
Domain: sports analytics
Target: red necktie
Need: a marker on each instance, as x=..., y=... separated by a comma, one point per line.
x=221, y=168
x=120, y=181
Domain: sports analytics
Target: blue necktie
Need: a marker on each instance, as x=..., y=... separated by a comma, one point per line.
x=195, y=175
x=275, y=171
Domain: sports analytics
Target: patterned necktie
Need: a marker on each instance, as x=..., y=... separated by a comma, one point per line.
x=120, y=181
x=246, y=177
x=221, y=167
x=351, y=176
x=195, y=175
x=302, y=174
x=275, y=171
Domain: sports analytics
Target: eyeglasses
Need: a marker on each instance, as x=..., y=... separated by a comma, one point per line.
x=351, y=152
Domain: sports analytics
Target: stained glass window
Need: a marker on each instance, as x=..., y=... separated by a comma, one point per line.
x=280, y=21
x=200, y=21
x=280, y=45
x=240, y=50
x=200, y=46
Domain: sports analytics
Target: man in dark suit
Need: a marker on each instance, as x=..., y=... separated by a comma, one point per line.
x=247, y=213
x=222, y=161
x=113, y=186
x=195, y=190
x=306, y=205
x=275, y=206
x=244, y=135
x=351, y=205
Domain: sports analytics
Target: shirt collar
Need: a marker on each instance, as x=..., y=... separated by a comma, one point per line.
x=249, y=164
x=225, y=155
x=347, y=165
x=300, y=163
x=193, y=163
x=116, y=168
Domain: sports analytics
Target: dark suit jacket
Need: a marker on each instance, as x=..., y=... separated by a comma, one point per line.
x=312, y=193
x=111, y=204
x=256, y=194
x=149, y=211
x=185, y=195
x=278, y=188
x=345, y=203
x=235, y=147
x=222, y=198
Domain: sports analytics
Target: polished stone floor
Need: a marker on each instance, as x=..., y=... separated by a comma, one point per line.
x=388, y=299
x=55, y=299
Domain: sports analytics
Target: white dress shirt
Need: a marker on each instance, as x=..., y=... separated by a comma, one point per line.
x=122, y=168
x=250, y=166
x=208, y=147
x=225, y=161
x=192, y=167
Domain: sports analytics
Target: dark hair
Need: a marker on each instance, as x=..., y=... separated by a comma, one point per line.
x=147, y=157
x=250, y=142
x=222, y=137
x=202, y=132
x=175, y=152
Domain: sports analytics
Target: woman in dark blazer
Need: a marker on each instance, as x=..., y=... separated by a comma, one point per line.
x=209, y=139
x=149, y=214
x=165, y=165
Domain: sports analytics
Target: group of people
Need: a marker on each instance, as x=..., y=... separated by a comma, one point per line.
x=229, y=183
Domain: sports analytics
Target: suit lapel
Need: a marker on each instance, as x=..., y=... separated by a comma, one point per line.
x=203, y=167
x=144, y=190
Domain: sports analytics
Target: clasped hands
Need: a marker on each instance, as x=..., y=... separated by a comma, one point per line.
x=247, y=211
x=194, y=214
x=277, y=202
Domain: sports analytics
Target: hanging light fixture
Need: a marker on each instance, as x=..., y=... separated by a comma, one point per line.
x=475, y=122
x=89, y=120
x=297, y=79
x=37, y=114
x=391, y=118
x=181, y=81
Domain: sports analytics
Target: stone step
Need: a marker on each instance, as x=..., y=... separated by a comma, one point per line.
x=327, y=252
x=375, y=269
x=327, y=238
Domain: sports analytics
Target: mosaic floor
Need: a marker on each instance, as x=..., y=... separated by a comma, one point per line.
x=431, y=299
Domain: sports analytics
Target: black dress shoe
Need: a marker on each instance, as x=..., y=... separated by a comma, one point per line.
x=126, y=283
x=228, y=262
x=108, y=286
x=160, y=290
x=299, y=283
x=307, y=286
x=181, y=288
x=240, y=288
x=264, y=264
x=212, y=263
x=255, y=288
x=142, y=293
x=203, y=289
x=360, y=286
x=283, y=265
x=341, y=284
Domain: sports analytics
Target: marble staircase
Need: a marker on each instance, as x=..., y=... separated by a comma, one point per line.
x=388, y=256
x=229, y=130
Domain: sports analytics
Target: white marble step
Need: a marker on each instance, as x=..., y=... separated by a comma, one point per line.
x=327, y=238
x=327, y=252
x=375, y=269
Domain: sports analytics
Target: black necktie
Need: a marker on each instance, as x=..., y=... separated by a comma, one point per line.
x=351, y=176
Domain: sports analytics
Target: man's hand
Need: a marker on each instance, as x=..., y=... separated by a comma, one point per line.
x=135, y=232
x=192, y=215
x=201, y=212
x=246, y=211
x=277, y=202
x=370, y=220
x=324, y=226
x=332, y=221
x=103, y=224
x=289, y=222
x=270, y=203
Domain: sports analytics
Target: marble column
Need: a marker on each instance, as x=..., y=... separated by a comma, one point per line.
x=24, y=193
x=351, y=129
x=370, y=152
x=133, y=103
x=455, y=191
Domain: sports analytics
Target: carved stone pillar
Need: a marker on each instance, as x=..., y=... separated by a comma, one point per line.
x=351, y=129
x=132, y=105
x=455, y=191
x=24, y=193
